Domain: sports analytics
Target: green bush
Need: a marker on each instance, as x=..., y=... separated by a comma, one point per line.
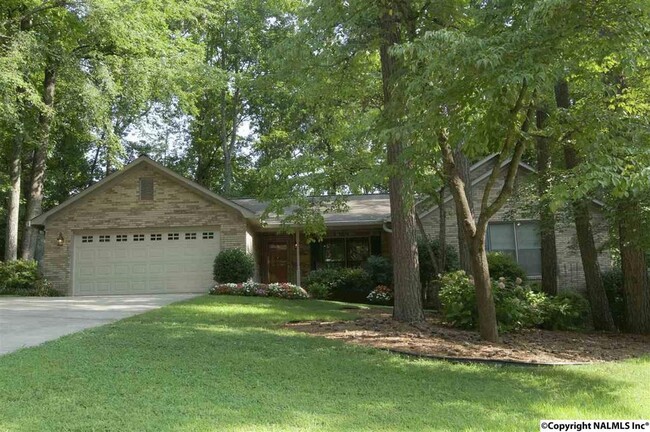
x=613, y=283
x=233, y=266
x=319, y=291
x=517, y=306
x=380, y=270
x=21, y=277
x=503, y=265
x=327, y=277
x=566, y=311
x=427, y=271
x=343, y=284
x=353, y=286
x=458, y=300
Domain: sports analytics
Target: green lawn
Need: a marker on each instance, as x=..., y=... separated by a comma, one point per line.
x=224, y=363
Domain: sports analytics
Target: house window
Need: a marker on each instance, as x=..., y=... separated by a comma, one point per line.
x=156, y=237
x=121, y=238
x=334, y=252
x=208, y=235
x=521, y=240
x=146, y=189
x=87, y=239
x=138, y=237
x=341, y=252
x=104, y=238
x=173, y=236
x=190, y=236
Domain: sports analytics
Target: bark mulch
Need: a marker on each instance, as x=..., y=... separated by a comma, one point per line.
x=375, y=328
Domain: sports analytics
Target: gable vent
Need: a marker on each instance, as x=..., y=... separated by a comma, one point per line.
x=146, y=189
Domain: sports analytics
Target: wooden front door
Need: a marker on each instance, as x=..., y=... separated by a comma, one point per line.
x=278, y=260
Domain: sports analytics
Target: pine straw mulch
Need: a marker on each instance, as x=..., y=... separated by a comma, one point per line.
x=375, y=328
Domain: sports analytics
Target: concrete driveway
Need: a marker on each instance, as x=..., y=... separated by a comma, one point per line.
x=30, y=321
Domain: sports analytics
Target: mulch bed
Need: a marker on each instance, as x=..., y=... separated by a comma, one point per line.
x=432, y=338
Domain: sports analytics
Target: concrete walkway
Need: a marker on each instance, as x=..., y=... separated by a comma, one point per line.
x=30, y=321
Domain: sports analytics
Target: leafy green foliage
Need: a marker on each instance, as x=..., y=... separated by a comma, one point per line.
x=566, y=311
x=427, y=270
x=22, y=277
x=319, y=290
x=504, y=266
x=344, y=284
x=380, y=270
x=613, y=284
x=233, y=266
x=517, y=305
x=458, y=299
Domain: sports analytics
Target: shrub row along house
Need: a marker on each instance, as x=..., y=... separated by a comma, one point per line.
x=146, y=229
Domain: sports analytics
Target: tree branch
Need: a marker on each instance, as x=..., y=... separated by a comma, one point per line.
x=505, y=149
x=508, y=185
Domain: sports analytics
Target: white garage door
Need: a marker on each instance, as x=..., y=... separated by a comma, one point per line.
x=148, y=261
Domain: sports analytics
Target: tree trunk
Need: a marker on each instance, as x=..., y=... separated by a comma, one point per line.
x=442, y=232
x=476, y=244
x=406, y=273
x=230, y=148
x=546, y=216
x=39, y=164
x=487, y=317
x=462, y=167
x=13, y=200
x=636, y=288
x=600, y=312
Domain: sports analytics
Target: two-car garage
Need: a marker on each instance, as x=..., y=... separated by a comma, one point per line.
x=146, y=261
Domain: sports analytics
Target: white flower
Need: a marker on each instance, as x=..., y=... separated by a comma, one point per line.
x=502, y=285
x=518, y=281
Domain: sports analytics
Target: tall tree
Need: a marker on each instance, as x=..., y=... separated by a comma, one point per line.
x=396, y=18
x=601, y=315
x=546, y=214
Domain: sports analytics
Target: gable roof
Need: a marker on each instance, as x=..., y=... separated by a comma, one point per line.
x=369, y=209
x=480, y=178
x=195, y=187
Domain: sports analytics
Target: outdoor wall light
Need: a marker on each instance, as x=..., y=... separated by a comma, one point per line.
x=60, y=240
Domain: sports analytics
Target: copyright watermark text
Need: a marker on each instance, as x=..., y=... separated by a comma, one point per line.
x=594, y=425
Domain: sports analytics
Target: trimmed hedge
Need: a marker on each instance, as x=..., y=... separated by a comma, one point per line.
x=233, y=266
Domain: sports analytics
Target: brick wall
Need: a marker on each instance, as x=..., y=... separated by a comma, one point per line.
x=117, y=205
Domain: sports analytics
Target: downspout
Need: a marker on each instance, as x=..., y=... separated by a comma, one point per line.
x=385, y=227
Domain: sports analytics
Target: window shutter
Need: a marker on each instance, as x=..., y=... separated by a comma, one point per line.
x=146, y=189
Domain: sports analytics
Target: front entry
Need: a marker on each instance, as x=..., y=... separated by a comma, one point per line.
x=278, y=261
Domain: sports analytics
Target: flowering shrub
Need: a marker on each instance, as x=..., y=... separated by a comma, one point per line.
x=517, y=305
x=287, y=291
x=381, y=295
x=250, y=288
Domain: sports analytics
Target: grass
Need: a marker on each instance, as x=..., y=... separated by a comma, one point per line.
x=225, y=363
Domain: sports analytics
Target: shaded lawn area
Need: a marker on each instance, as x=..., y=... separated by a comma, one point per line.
x=225, y=363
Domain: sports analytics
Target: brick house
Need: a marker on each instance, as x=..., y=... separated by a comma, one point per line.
x=146, y=229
